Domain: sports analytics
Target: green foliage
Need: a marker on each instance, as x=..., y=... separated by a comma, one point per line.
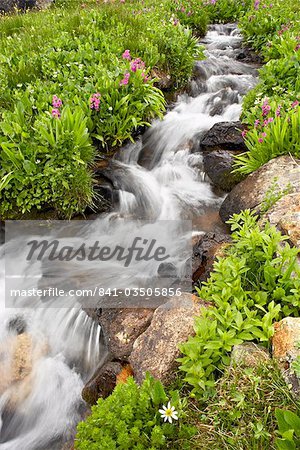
x=74, y=51
x=255, y=284
x=289, y=429
x=241, y=414
x=224, y=11
x=273, y=194
x=129, y=419
x=190, y=14
x=274, y=31
x=270, y=137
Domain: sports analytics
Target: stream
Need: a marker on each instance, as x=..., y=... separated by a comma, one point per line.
x=159, y=178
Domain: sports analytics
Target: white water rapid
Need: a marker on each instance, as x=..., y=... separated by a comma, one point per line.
x=159, y=178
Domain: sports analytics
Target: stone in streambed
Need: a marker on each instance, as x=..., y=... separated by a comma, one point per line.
x=156, y=350
x=251, y=192
x=218, y=165
x=224, y=136
x=205, y=251
x=102, y=382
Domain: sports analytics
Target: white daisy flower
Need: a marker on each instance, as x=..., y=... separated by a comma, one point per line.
x=168, y=413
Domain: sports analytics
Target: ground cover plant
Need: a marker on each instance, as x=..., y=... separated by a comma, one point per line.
x=92, y=64
x=255, y=284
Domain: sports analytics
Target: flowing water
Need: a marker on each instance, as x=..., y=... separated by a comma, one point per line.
x=159, y=178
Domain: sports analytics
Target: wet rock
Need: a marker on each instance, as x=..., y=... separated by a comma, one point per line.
x=167, y=270
x=102, y=382
x=285, y=215
x=224, y=136
x=249, y=354
x=121, y=327
x=9, y=5
x=218, y=165
x=248, y=56
x=251, y=192
x=205, y=251
x=286, y=349
x=156, y=350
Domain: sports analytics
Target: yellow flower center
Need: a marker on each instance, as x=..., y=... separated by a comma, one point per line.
x=168, y=412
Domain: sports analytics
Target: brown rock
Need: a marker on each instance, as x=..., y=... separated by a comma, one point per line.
x=205, y=251
x=121, y=327
x=102, y=382
x=285, y=215
x=285, y=347
x=249, y=354
x=251, y=192
x=156, y=350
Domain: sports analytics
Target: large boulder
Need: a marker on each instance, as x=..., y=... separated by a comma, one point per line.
x=218, y=165
x=205, y=251
x=156, y=350
x=251, y=192
x=224, y=136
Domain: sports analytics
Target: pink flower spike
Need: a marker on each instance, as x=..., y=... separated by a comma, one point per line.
x=260, y=140
x=56, y=102
x=244, y=132
x=278, y=111
x=256, y=123
x=125, y=80
x=55, y=113
x=126, y=55
x=264, y=134
x=295, y=103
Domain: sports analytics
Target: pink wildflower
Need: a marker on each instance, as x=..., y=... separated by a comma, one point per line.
x=244, y=133
x=297, y=47
x=264, y=134
x=278, y=111
x=295, y=103
x=260, y=140
x=56, y=102
x=125, y=80
x=256, y=123
x=95, y=101
x=55, y=113
x=126, y=55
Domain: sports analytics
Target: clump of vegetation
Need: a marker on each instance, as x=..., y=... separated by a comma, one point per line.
x=271, y=109
x=131, y=419
x=289, y=429
x=91, y=63
x=242, y=414
x=255, y=284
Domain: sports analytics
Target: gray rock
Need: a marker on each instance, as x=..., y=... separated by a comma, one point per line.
x=224, y=136
x=156, y=350
x=251, y=192
x=218, y=165
x=249, y=354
